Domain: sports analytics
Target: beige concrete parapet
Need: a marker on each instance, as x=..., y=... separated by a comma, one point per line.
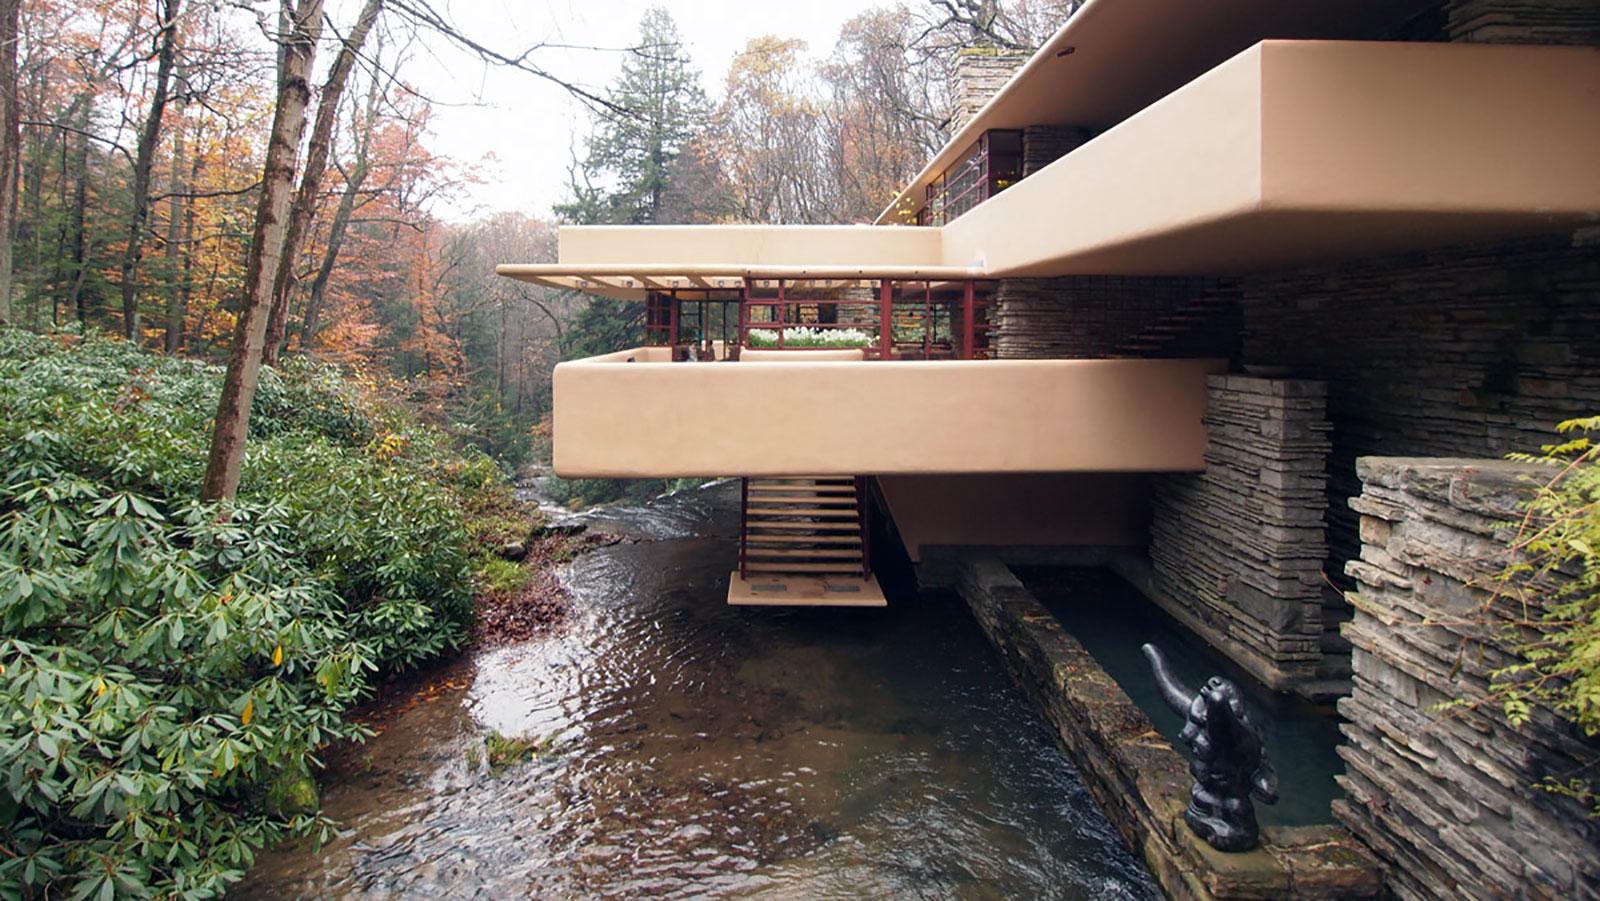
x=618, y=419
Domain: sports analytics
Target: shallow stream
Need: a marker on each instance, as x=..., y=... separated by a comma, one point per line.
x=697, y=749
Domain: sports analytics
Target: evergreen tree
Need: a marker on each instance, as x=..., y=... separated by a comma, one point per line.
x=630, y=159
x=630, y=154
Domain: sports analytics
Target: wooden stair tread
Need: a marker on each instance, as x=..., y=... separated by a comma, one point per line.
x=803, y=539
x=766, y=499
x=756, y=488
x=751, y=566
x=800, y=511
x=820, y=526
x=804, y=553
x=805, y=591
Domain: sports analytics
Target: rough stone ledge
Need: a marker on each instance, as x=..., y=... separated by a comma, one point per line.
x=1491, y=488
x=1138, y=779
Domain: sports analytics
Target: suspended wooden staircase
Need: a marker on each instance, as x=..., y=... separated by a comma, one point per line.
x=803, y=542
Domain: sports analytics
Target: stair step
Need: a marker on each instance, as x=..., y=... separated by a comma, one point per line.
x=829, y=553
x=834, y=496
x=809, y=526
x=769, y=488
x=803, y=567
x=835, y=499
x=805, y=591
x=833, y=512
x=836, y=540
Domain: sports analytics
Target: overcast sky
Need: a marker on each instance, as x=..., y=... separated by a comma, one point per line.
x=523, y=129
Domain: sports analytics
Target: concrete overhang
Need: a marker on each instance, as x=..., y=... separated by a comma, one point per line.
x=1289, y=153
x=1113, y=58
x=1299, y=152
x=624, y=415
x=631, y=281
x=625, y=261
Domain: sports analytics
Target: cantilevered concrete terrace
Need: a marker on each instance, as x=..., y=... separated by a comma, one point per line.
x=1287, y=153
x=636, y=414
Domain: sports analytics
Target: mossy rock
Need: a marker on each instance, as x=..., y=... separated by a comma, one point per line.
x=293, y=794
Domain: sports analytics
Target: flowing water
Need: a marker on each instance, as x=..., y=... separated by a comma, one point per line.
x=697, y=749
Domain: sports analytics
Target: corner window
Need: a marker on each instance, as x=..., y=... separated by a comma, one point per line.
x=992, y=164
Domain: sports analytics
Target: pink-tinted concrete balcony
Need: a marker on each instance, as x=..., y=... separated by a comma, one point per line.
x=634, y=414
x=1288, y=153
x=1298, y=152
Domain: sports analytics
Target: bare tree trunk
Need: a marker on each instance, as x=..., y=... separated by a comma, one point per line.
x=30, y=221
x=354, y=179
x=500, y=354
x=173, y=336
x=10, y=147
x=266, y=247
x=186, y=279
x=330, y=256
x=143, y=163
x=305, y=201
x=77, y=218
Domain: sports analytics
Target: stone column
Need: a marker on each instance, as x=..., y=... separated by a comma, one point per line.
x=1238, y=550
x=980, y=74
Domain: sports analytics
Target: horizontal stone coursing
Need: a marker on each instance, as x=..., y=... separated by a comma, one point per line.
x=1524, y=21
x=1466, y=351
x=980, y=74
x=1083, y=316
x=1044, y=144
x=1446, y=797
x=1240, y=547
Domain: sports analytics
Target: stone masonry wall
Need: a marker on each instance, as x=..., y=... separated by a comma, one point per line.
x=1238, y=549
x=1082, y=316
x=1445, y=798
x=980, y=73
x=1473, y=352
x=1524, y=21
x=1044, y=144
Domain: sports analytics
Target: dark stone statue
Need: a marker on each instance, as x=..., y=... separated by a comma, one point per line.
x=1227, y=760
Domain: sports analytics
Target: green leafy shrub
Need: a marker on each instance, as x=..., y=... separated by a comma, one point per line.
x=1556, y=570
x=169, y=669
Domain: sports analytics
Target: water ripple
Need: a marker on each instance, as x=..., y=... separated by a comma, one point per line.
x=699, y=750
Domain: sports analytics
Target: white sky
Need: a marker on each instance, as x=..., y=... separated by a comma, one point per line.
x=521, y=129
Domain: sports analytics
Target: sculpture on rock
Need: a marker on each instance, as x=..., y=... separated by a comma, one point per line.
x=1227, y=760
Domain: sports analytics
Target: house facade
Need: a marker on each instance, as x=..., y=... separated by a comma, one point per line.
x=1147, y=309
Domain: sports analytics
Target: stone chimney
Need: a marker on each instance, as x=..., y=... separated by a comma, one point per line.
x=980, y=73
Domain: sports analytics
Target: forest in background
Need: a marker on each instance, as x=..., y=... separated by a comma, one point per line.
x=259, y=394
x=141, y=135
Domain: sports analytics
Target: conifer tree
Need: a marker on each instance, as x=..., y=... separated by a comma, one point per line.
x=657, y=105
x=629, y=163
